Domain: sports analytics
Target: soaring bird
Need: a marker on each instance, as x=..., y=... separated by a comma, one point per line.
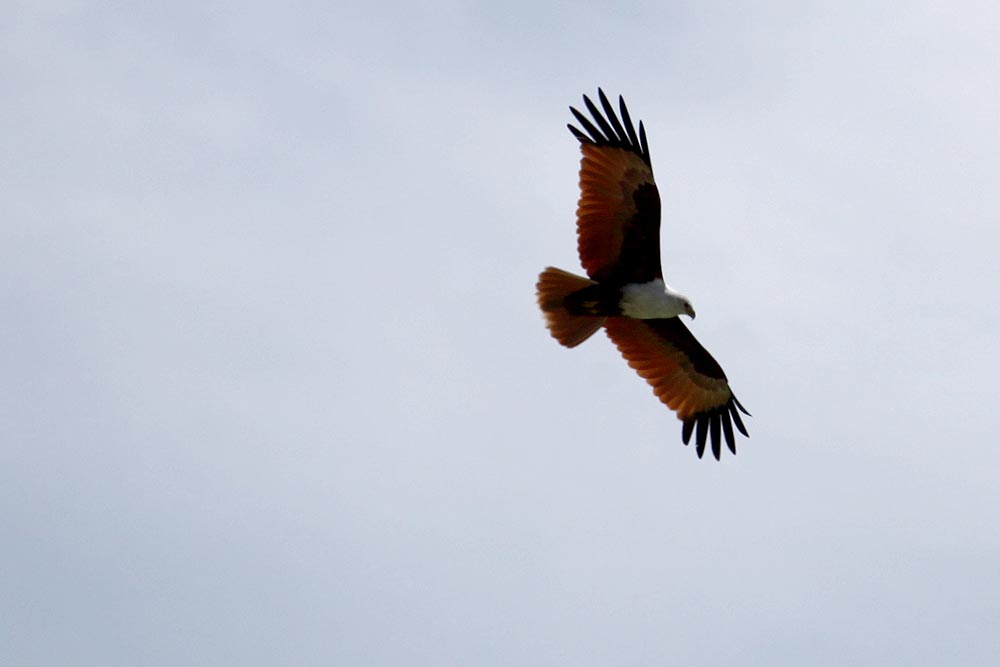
x=618, y=230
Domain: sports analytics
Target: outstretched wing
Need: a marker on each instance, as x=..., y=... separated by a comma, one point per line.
x=683, y=375
x=618, y=217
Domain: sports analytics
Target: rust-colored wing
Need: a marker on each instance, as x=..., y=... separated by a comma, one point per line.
x=683, y=375
x=618, y=217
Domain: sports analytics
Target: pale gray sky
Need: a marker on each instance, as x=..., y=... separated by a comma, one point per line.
x=276, y=391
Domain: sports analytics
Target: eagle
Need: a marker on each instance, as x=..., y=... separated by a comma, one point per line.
x=618, y=234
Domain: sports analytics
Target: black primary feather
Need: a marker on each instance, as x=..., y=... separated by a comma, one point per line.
x=609, y=130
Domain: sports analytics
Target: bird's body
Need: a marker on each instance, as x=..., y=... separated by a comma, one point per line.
x=618, y=222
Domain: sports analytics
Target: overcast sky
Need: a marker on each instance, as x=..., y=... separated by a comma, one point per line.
x=275, y=389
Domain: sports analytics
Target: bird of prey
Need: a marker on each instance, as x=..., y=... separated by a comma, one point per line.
x=618, y=229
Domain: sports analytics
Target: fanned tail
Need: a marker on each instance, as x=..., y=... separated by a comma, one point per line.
x=554, y=285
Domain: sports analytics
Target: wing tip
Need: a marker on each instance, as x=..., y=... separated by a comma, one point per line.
x=614, y=132
x=715, y=426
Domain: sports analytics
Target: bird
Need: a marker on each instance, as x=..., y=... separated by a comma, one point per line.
x=618, y=240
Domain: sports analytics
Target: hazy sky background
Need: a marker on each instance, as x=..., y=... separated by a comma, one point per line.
x=275, y=389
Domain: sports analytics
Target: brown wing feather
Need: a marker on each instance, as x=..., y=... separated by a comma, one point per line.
x=618, y=216
x=661, y=356
x=684, y=376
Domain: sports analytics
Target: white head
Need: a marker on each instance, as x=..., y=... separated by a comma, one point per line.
x=683, y=303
